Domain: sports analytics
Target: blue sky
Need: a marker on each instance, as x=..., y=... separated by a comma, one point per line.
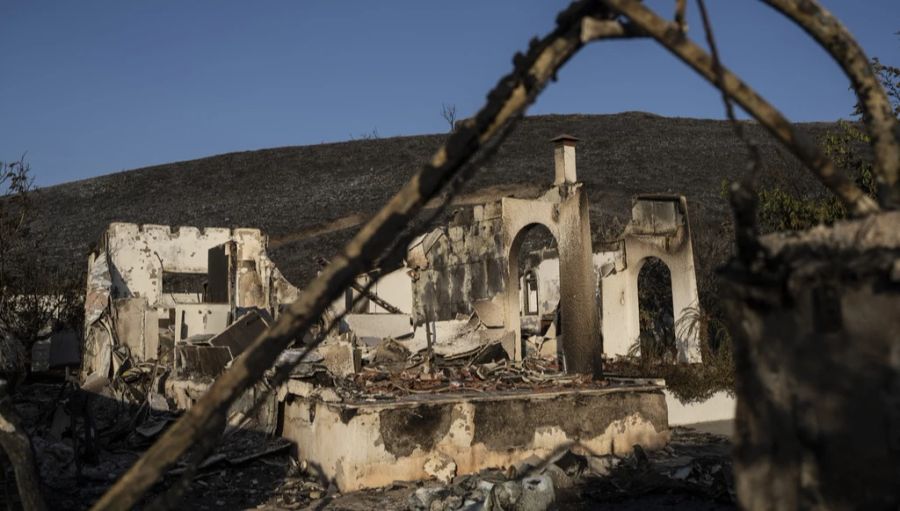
x=93, y=87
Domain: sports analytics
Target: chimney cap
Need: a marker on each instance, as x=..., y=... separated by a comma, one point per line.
x=565, y=139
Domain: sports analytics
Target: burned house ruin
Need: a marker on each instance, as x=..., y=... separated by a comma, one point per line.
x=513, y=330
x=472, y=266
x=159, y=294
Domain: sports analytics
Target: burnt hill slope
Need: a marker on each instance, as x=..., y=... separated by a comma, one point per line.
x=311, y=198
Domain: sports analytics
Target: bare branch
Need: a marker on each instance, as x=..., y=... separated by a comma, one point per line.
x=752, y=149
x=667, y=34
x=680, y=17
x=448, y=112
x=878, y=115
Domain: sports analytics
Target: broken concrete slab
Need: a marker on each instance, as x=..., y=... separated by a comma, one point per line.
x=390, y=351
x=441, y=467
x=489, y=312
x=341, y=358
x=240, y=334
x=535, y=493
x=378, y=326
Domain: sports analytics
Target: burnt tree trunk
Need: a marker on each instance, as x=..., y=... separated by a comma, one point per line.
x=17, y=446
x=816, y=324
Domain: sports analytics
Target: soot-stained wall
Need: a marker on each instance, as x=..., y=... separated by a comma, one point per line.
x=463, y=262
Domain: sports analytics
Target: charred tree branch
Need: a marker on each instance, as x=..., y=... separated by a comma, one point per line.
x=744, y=198
x=674, y=40
x=593, y=29
x=878, y=117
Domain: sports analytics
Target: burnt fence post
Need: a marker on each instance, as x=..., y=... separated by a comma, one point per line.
x=815, y=318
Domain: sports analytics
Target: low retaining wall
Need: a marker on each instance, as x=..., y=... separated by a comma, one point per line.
x=372, y=444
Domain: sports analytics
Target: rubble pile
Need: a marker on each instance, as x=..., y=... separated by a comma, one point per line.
x=390, y=370
x=693, y=471
x=531, y=374
x=81, y=453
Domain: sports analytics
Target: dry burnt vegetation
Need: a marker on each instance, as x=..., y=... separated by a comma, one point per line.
x=296, y=194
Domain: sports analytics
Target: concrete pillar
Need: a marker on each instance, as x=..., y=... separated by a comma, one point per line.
x=577, y=282
x=684, y=301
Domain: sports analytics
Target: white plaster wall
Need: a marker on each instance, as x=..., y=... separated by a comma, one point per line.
x=719, y=407
x=396, y=288
x=200, y=318
x=353, y=454
x=620, y=308
x=140, y=255
x=547, y=274
x=132, y=265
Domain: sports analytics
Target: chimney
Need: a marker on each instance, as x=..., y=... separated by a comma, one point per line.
x=564, y=159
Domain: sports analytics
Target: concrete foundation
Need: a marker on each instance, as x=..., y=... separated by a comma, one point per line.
x=371, y=444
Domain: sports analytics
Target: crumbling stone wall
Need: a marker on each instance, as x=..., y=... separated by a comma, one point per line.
x=459, y=264
x=126, y=302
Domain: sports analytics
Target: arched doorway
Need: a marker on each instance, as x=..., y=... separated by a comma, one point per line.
x=657, y=341
x=566, y=218
x=534, y=257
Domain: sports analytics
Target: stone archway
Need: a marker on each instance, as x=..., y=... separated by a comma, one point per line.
x=659, y=228
x=563, y=210
x=513, y=290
